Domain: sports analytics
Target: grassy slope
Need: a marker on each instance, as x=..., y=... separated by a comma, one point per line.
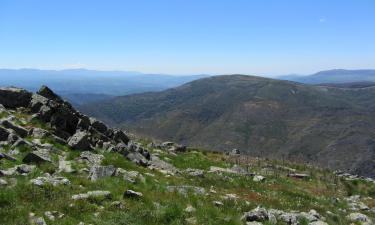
x=161, y=207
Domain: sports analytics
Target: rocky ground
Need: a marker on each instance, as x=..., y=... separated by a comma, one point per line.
x=58, y=166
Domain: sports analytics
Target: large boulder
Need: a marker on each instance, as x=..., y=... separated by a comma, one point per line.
x=97, y=172
x=80, y=141
x=38, y=156
x=64, y=119
x=12, y=97
x=37, y=101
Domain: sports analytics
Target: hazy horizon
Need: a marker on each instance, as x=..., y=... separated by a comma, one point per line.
x=196, y=37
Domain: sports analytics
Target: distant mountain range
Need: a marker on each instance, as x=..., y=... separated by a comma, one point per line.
x=83, y=86
x=327, y=126
x=333, y=76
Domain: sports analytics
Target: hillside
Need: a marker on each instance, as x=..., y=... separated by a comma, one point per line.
x=324, y=126
x=58, y=166
x=334, y=76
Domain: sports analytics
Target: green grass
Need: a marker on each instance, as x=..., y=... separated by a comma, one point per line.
x=161, y=207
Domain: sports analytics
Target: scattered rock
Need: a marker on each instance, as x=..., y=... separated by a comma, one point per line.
x=359, y=218
x=194, y=172
x=34, y=220
x=157, y=164
x=258, y=214
x=132, y=194
x=117, y=205
x=24, y=169
x=190, y=209
x=298, y=175
x=92, y=194
x=53, y=215
x=92, y=158
x=48, y=179
x=184, y=190
x=259, y=178
x=218, y=203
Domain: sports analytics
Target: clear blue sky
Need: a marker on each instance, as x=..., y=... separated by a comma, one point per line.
x=266, y=37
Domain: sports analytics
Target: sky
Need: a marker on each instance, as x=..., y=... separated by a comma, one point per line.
x=259, y=37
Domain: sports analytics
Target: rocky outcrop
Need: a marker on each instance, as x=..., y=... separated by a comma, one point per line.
x=12, y=97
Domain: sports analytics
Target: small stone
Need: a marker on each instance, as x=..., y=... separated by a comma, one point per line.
x=190, y=209
x=258, y=178
x=218, y=203
x=132, y=194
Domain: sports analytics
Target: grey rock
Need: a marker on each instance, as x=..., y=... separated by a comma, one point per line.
x=53, y=215
x=7, y=157
x=120, y=136
x=218, y=203
x=3, y=182
x=48, y=179
x=185, y=189
x=132, y=194
x=17, y=129
x=64, y=119
x=97, y=172
x=258, y=214
x=92, y=194
x=130, y=176
x=39, y=133
x=34, y=220
x=194, y=172
x=157, y=164
x=92, y=158
x=65, y=166
x=360, y=218
x=12, y=97
x=298, y=175
x=79, y=141
x=45, y=113
x=38, y=156
x=98, y=125
x=137, y=158
x=37, y=101
x=24, y=169
x=258, y=178
x=4, y=133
